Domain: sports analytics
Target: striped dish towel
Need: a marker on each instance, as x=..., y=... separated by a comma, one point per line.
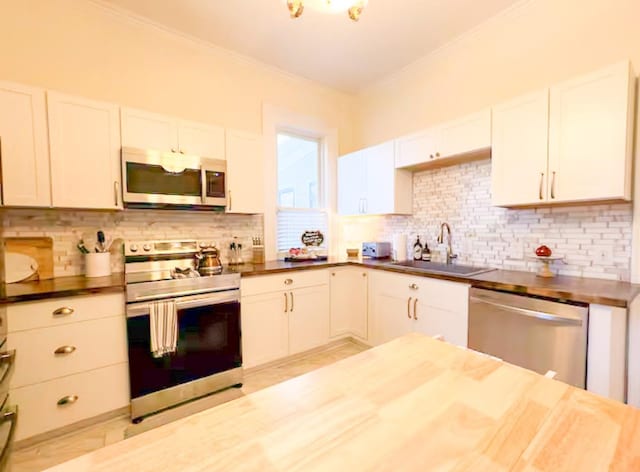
x=164, y=327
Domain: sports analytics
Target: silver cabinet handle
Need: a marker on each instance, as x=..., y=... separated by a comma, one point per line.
x=181, y=151
x=288, y=281
x=286, y=303
x=230, y=201
x=173, y=149
x=413, y=287
x=64, y=311
x=553, y=185
x=291, y=293
x=437, y=154
x=409, y=308
x=68, y=400
x=540, y=195
x=116, y=188
x=415, y=312
x=430, y=156
x=63, y=350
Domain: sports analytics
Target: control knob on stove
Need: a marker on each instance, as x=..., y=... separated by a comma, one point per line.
x=133, y=248
x=147, y=247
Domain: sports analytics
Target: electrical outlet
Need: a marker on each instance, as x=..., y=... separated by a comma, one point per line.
x=604, y=256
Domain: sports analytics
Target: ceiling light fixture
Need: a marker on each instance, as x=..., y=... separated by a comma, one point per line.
x=352, y=7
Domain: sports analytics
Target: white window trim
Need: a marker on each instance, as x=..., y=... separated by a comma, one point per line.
x=277, y=120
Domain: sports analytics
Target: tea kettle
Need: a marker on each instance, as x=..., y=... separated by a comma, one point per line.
x=208, y=262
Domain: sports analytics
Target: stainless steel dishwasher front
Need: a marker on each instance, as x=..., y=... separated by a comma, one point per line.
x=536, y=334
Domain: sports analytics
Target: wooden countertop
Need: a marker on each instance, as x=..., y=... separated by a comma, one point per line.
x=576, y=289
x=60, y=287
x=413, y=404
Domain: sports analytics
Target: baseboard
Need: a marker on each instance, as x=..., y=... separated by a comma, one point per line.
x=71, y=428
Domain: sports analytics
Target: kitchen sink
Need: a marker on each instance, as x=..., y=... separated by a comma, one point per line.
x=441, y=268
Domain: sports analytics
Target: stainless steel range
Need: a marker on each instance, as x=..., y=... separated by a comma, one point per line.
x=167, y=298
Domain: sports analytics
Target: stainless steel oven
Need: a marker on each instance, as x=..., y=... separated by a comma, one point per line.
x=207, y=356
x=159, y=179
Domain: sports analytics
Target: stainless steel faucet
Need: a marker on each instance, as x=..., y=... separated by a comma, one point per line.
x=450, y=254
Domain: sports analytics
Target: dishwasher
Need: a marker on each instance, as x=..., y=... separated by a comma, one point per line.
x=536, y=334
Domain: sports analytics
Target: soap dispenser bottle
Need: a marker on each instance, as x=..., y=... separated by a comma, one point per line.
x=417, y=250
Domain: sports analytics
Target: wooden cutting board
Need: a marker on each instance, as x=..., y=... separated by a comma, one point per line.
x=38, y=249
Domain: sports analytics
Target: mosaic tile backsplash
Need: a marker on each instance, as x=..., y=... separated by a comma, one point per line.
x=67, y=227
x=595, y=240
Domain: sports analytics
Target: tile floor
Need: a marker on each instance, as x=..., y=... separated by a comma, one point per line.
x=64, y=448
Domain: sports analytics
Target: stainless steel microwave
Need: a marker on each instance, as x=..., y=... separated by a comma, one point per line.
x=167, y=179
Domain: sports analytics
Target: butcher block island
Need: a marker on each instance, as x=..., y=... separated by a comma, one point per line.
x=413, y=404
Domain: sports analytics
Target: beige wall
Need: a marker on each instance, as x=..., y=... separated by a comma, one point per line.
x=533, y=45
x=79, y=47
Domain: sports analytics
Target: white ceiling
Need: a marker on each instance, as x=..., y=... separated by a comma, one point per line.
x=327, y=48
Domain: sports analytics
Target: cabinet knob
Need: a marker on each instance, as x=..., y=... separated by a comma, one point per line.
x=64, y=311
x=364, y=274
x=413, y=287
x=437, y=154
x=333, y=274
x=173, y=150
x=288, y=281
x=64, y=350
x=68, y=400
x=430, y=156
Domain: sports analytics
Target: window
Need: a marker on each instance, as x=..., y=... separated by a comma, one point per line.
x=301, y=205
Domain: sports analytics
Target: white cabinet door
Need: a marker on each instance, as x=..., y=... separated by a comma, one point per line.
x=417, y=148
x=349, y=302
x=467, y=134
x=590, y=136
x=24, y=150
x=390, y=316
x=145, y=130
x=265, y=329
x=351, y=183
x=432, y=321
x=308, y=318
x=85, y=152
x=245, y=172
x=201, y=140
x=519, y=151
x=380, y=195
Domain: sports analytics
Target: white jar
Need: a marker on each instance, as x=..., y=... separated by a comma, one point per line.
x=97, y=264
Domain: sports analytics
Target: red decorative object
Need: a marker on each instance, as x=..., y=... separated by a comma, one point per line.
x=543, y=251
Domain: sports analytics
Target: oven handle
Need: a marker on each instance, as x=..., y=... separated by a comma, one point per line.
x=230, y=296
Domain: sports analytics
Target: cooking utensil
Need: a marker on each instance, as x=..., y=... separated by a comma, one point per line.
x=82, y=248
x=208, y=262
x=101, y=242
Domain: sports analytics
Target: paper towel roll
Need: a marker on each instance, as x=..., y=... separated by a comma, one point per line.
x=400, y=247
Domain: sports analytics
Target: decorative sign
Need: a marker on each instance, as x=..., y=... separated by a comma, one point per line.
x=312, y=238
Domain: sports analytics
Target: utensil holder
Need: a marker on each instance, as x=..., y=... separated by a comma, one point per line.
x=258, y=254
x=97, y=264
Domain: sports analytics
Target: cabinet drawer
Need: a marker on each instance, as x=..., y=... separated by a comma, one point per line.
x=98, y=391
x=442, y=294
x=22, y=316
x=284, y=281
x=93, y=344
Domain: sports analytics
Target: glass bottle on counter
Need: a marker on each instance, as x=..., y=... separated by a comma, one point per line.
x=426, y=253
x=417, y=250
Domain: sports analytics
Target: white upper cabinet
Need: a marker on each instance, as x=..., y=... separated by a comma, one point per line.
x=85, y=152
x=467, y=134
x=24, y=151
x=572, y=143
x=245, y=172
x=352, y=185
x=519, y=150
x=201, y=139
x=145, y=130
x=452, y=139
x=591, y=136
x=369, y=184
x=417, y=148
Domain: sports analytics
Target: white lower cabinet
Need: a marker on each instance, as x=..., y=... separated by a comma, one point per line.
x=66, y=400
x=349, y=288
x=400, y=304
x=71, y=360
x=283, y=314
x=265, y=328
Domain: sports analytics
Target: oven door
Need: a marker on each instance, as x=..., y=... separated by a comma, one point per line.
x=152, y=177
x=208, y=342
